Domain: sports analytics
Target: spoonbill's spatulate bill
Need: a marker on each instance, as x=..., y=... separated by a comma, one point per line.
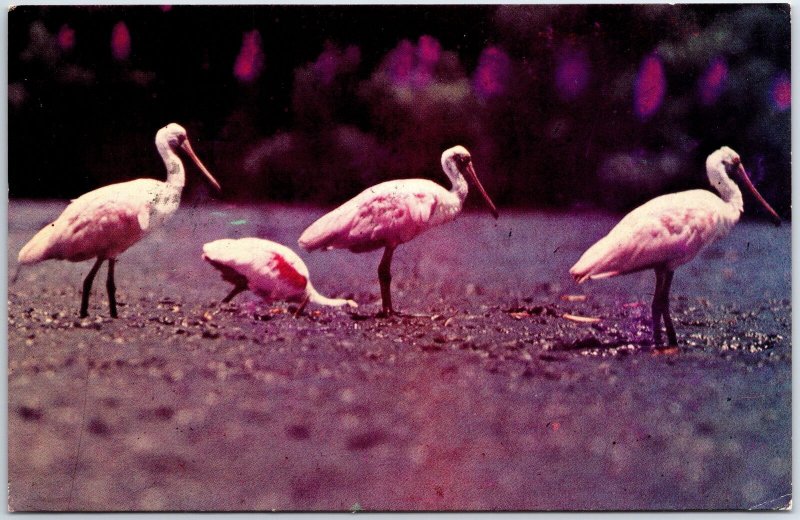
x=105, y=222
x=669, y=231
x=271, y=270
x=394, y=212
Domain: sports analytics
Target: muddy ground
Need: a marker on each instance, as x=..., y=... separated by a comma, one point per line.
x=492, y=401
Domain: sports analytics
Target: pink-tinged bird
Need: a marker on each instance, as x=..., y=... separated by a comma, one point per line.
x=669, y=231
x=394, y=212
x=105, y=222
x=269, y=269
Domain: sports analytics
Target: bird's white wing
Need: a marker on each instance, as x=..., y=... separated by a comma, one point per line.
x=389, y=213
x=101, y=223
x=665, y=232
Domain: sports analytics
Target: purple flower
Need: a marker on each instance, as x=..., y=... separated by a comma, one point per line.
x=782, y=92
x=712, y=83
x=250, y=60
x=650, y=87
x=120, y=42
x=491, y=76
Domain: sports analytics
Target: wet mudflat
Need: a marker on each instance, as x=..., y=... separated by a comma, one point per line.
x=492, y=400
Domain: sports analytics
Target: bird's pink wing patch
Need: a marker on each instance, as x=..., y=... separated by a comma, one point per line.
x=90, y=228
x=387, y=214
x=392, y=218
x=288, y=273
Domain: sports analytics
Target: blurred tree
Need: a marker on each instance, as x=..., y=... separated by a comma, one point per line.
x=325, y=158
x=420, y=103
x=586, y=140
x=561, y=105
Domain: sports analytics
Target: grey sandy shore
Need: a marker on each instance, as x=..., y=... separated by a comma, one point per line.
x=492, y=400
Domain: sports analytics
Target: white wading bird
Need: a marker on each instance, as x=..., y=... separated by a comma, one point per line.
x=271, y=270
x=105, y=222
x=394, y=212
x=669, y=231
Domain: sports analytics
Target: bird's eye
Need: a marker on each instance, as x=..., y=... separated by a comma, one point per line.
x=181, y=138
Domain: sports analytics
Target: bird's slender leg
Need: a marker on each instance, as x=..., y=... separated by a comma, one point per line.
x=236, y=290
x=111, y=288
x=87, y=287
x=302, y=305
x=672, y=338
x=16, y=274
x=385, y=279
x=657, y=307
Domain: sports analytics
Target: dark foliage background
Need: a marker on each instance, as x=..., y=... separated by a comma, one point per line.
x=560, y=105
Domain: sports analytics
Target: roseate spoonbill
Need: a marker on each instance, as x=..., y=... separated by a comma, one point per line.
x=394, y=212
x=271, y=270
x=105, y=222
x=669, y=231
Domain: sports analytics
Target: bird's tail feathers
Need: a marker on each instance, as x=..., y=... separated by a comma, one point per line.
x=596, y=263
x=324, y=232
x=311, y=241
x=579, y=277
x=38, y=247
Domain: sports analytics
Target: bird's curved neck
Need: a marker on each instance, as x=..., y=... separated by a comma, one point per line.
x=319, y=299
x=176, y=175
x=727, y=189
x=459, y=183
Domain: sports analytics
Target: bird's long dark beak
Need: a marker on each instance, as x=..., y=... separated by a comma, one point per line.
x=747, y=182
x=188, y=149
x=474, y=177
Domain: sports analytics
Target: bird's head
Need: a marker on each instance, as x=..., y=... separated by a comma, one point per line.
x=729, y=159
x=458, y=153
x=460, y=157
x=174, y=136
x=725, y=162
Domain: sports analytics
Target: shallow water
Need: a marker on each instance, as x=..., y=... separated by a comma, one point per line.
x=492, y=401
